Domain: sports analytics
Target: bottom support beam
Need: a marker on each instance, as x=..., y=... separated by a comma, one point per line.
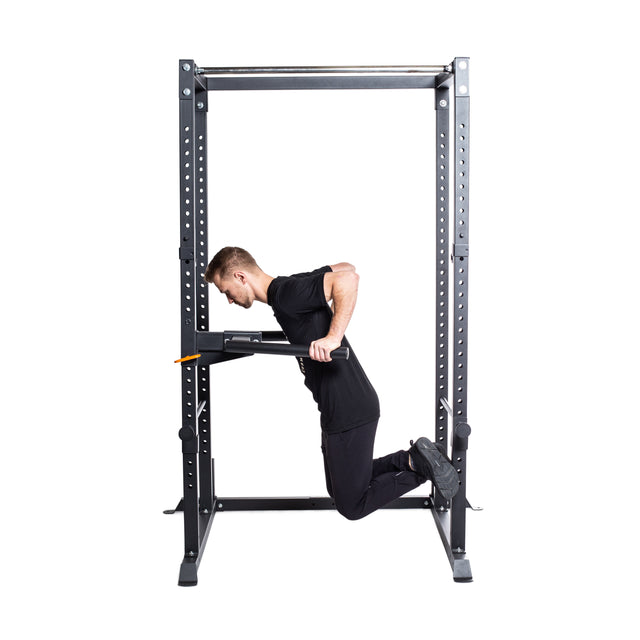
x=306, y=504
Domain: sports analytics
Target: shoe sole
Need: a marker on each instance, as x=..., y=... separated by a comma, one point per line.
x=443, y=474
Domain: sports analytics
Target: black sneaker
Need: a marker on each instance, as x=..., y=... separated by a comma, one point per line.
x=430, y=462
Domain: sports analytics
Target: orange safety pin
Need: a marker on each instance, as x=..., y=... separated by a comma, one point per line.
x=197, y=355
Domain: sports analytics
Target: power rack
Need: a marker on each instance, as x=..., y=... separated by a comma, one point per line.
x=451, y=88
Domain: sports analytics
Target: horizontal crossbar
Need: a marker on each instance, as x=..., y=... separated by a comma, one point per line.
x=299, y=504
x=217, y=71
x=270, y=83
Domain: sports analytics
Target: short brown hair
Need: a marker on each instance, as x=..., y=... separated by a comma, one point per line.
x=228, y=259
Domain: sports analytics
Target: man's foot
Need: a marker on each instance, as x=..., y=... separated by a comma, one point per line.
x=428, y=460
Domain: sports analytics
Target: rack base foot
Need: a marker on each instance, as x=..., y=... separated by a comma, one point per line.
x=188, y=573
x=462, y=570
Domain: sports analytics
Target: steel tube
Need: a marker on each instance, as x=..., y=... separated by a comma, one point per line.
x=447, y=408
x=223, y=71
x=273, y=336
x=298, y=350
x=319, y=81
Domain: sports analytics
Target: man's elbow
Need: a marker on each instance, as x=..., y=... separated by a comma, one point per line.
x=350, y=279
x=342, y=267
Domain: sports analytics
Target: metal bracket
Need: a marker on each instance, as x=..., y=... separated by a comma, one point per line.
x=461, y=66
x=186, y=82
x=246, y=336
x=460, y=250
x=470, y=506
x=202, y=101
x=441, y=95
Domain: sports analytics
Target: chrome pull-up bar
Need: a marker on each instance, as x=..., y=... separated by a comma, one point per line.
x=417, y=69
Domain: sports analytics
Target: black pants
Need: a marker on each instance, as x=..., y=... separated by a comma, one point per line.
x=359, y=484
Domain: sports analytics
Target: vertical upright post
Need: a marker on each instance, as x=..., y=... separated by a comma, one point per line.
x=442, y=271
x=201, y=293
x=460, y=303
x=188, y=319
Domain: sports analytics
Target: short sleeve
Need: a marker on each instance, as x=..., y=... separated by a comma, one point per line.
x=326, y=269
x=302, y=293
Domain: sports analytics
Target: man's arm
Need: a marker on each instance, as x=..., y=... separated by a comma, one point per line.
x=341, y=287
x=341, y=266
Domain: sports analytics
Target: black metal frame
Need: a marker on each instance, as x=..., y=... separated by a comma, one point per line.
x=199, y=502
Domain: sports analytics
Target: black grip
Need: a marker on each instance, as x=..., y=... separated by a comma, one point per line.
x=298, y=350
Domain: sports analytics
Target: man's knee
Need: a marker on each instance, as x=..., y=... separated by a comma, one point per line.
x=350, y=511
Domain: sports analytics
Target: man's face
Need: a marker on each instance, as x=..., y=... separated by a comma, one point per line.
x=236, y=289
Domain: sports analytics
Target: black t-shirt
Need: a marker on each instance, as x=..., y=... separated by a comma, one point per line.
x=346, y=399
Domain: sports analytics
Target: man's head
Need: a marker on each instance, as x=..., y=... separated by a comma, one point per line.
x=235, y=273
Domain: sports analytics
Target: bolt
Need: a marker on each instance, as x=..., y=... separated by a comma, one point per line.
x=443, y=103
x=200, y=105
x=191, y=554
x=186, y=92
x=186, y=66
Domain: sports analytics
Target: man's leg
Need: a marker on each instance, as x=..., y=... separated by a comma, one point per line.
x=327, y=475
x=349, y=461
x=398, y=461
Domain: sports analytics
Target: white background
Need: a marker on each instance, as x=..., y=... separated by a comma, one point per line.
x=91, y=397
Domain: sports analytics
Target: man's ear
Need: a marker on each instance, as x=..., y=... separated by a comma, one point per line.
x=241, y=276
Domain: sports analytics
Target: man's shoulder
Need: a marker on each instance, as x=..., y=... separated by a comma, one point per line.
x=315, y=272
x=299, y=292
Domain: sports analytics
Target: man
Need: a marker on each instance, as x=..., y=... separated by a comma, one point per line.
x=348, y=403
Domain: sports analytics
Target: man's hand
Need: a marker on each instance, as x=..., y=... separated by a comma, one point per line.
x=320, y=350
